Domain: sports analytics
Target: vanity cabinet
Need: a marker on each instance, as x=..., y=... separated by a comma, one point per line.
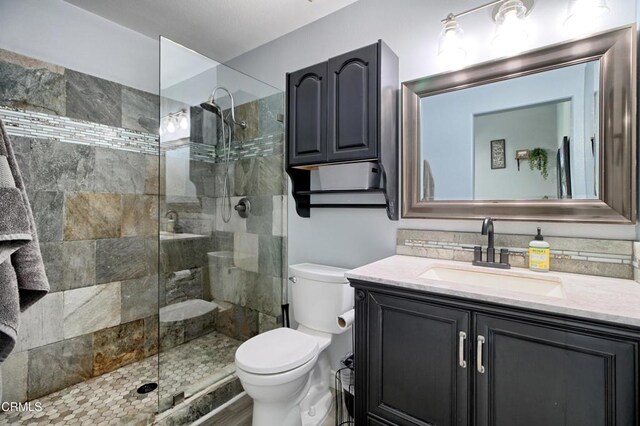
x=425, y=359
x=414, y=360
x=539, y=374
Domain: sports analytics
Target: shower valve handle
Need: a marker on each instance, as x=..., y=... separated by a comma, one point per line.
x=243, y=207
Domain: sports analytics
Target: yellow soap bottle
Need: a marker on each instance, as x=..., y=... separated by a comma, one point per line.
x=539, y=254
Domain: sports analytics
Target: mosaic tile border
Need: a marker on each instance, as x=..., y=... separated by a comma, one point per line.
x=260, y=147
x=560, y=254
x=33, y=124
x=610, y=258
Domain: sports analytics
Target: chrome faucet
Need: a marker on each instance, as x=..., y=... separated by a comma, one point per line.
x=487, y=229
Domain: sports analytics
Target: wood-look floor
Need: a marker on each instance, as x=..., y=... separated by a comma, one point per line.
x=239, y=414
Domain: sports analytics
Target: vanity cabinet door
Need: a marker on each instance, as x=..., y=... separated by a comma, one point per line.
x=415, y=373
x=543, y=375
x=307, y=115
x=352, y=99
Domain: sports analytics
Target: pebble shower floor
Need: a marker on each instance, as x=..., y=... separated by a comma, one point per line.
x=112, y=399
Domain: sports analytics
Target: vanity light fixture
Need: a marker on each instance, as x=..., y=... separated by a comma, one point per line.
x=511, y=31
x=511, y=28
x=451, y=47
x=174, y=120
x=184, y=122
x=171, y=127
x=583, y=13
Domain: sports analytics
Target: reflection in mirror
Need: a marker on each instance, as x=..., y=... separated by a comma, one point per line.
x=534, y=137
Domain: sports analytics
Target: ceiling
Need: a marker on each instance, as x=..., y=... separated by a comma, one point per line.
x=220, y=29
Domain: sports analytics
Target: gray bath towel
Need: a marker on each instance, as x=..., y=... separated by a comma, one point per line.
x=22, y=276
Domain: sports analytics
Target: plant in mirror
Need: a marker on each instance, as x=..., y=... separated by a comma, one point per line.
x=568, y=110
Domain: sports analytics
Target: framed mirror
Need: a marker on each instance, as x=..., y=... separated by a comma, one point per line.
x=549, y=135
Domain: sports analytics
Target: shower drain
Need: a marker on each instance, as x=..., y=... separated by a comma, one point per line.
x=147, y=387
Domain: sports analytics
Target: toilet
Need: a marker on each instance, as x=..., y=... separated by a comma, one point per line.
x=286, y=371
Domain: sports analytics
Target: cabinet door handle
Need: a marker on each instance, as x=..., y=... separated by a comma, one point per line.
x=479, y=366
x=462, y=336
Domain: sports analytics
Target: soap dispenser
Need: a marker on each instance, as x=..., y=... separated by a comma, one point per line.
x=539, y=254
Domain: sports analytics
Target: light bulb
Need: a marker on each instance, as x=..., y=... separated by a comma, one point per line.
x=511, y=31
x=184, y=123
x=170, y=126
x=583, y=14
x=451, y=46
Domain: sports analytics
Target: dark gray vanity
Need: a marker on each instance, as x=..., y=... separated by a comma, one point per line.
x=427, y=359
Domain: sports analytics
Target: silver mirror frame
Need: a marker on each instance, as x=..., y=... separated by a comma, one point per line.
x=616, y=51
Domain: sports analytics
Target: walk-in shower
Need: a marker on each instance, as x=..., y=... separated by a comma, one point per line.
x=228, y=265
x=155, y=281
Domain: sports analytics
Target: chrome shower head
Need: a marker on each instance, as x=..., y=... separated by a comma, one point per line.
x=211, y=106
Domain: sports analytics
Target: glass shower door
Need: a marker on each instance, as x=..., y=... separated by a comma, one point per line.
x=222, y=268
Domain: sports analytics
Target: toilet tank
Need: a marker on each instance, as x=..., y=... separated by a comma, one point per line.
x=319, y=295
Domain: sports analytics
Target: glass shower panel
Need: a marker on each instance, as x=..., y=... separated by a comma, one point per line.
x=221, y=274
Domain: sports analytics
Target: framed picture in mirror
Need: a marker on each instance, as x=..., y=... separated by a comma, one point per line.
x=498, y=159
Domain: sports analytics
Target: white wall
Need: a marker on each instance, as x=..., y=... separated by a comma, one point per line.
x=350, y=238
x=62, y=34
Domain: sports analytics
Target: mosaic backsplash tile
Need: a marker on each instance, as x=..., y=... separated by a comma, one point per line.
x=607, y=258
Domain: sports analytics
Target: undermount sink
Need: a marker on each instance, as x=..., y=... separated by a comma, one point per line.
x=523, y=282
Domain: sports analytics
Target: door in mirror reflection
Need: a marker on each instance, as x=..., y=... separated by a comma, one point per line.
x=533, y=137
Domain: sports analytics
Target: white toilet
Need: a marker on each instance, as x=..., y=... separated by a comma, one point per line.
x=287, y=371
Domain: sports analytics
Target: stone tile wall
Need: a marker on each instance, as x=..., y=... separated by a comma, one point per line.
x=96, y=210
x=607, y=258
x=240, y=263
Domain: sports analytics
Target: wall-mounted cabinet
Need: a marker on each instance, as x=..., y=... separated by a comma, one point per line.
x=342, y=111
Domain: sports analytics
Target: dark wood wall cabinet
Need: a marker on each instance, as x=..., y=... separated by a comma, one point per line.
x=344, y=110
x=424, y=359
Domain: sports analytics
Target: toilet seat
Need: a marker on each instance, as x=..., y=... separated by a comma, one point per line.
x=276, y=351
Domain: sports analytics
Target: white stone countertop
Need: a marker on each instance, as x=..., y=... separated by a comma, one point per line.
x=611, y=300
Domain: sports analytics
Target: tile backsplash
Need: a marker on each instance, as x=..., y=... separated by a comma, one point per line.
x=606, y=258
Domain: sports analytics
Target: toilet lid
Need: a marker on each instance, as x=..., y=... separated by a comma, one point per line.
x=276, y=351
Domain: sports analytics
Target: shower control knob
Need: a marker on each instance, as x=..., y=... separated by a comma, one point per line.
x=243, y=208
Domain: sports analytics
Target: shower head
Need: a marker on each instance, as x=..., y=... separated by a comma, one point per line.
x=211, y=106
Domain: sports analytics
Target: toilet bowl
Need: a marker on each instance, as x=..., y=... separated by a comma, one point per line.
x=287, y=372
